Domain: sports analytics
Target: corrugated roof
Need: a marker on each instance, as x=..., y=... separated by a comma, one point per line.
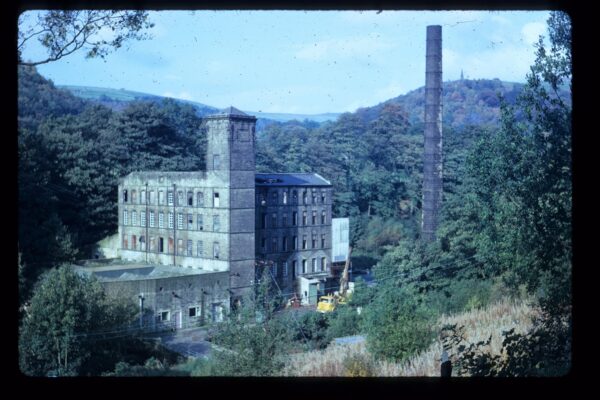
x=294, y=179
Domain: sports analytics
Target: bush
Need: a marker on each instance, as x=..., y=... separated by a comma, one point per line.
x=397, y=325
x=358, y=365
x=344, y=321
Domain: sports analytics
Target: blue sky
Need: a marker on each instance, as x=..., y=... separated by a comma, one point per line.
x=303, y=61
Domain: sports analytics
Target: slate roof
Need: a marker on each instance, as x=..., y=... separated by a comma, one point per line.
x=294, y=179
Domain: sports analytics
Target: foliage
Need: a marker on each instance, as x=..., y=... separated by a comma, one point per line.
x=71, y=155
x=64, y=310
x=343, y=321
x=98, y=32
x=152, y=367
x=544, y=351
x=397, y=324
x=251, y=341
x=358, y=365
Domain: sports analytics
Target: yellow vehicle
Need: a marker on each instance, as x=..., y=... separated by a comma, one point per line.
x=326, y=304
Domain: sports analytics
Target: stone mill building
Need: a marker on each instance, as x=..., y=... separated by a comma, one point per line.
x=189, y=242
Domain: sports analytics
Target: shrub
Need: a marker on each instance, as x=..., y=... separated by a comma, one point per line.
x=358, y=364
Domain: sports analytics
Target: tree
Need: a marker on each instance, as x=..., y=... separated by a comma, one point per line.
x=63, y=32
x=56, y=334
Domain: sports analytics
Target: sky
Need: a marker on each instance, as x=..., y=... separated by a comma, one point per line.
x=305, y=62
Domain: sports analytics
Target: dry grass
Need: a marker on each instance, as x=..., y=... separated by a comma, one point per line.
x=479, y=325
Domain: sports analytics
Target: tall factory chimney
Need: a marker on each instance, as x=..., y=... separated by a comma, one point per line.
x=432, y=159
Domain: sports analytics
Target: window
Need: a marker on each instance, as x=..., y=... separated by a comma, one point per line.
x=190, y=198
x=295, y=243
x=303, y=217
x=284, y=221
x=216, y=162
x=314, y=198
x=314, y=265
x=194, y=312
x=294, y=197
x=200, y=199
x=284, y=244
x=164, y=316
x=199, y=222
x=133, y=197
x=171, y=247
x=216, y=223
x=304, y=242
x=314, y=241
x=125, y=196
x=303, y=266
x=125, y=242
x=189, y=248
x=263, y=244
x=274, y=270
x=216, y=250
x=323, y=217
x=151, y=197
x=304, y=198
x=284, y=197
x=323, y=197
x=161, y=245
x=143, y=197
x=161, y=220
x=294, y=267
x=143, y=218
x=170, y=198
x=323, y=263
x=142, y=243
x=171, y=220
x=151, y=218
x=180, y=246
x=263, y=219
x=134, y=218
x=133, y=242
x=314, y=217
x=200, y=249
x=190, y=222
x=161, y=197
x=274, y=198
x=216, y=200
x=152, y=243
x=285, y=268
x=274, y=245
x=179, y=221
x=323, y=241
x=274, y=220
x=125, y=217
x=294, y=218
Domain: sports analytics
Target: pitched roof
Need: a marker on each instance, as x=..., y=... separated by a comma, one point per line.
x=230, y=112
x=294, y=179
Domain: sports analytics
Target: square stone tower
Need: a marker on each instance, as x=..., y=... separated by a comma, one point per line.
x=230, y=159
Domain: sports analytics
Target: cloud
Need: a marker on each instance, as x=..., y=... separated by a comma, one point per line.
x=343, y=48
x=532, y=31
x=183, y=95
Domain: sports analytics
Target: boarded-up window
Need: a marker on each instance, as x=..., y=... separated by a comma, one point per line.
x=200, y=199
x=199, y=222
x=125, y=242
x=200, y=248
x=323, y=263
x=180, y=246
x=189, y=248
x=216, y=201
x=216, y=223
x=190, y=221
x=216, y=250
x=190, y=198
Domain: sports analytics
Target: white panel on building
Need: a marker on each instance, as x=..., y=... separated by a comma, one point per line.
x=340, y=239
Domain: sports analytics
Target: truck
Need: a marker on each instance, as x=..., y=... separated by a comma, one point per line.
x=329, y=302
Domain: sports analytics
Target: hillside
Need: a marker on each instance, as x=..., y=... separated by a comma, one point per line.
x=117, y=99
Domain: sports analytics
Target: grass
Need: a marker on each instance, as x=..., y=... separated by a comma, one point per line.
x=479, y=325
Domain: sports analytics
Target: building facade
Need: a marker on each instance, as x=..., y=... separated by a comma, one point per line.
x=228, y=219
x=200, y=220
x=293, y=228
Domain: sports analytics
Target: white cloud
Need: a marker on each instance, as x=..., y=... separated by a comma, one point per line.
x=343, y=48
x=183, y=95
x=531, y=32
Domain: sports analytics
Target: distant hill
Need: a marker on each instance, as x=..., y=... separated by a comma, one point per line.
x=464, y=102
x=117, y=99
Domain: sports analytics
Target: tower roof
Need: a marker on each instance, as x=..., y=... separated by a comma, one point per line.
x=230, y=112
